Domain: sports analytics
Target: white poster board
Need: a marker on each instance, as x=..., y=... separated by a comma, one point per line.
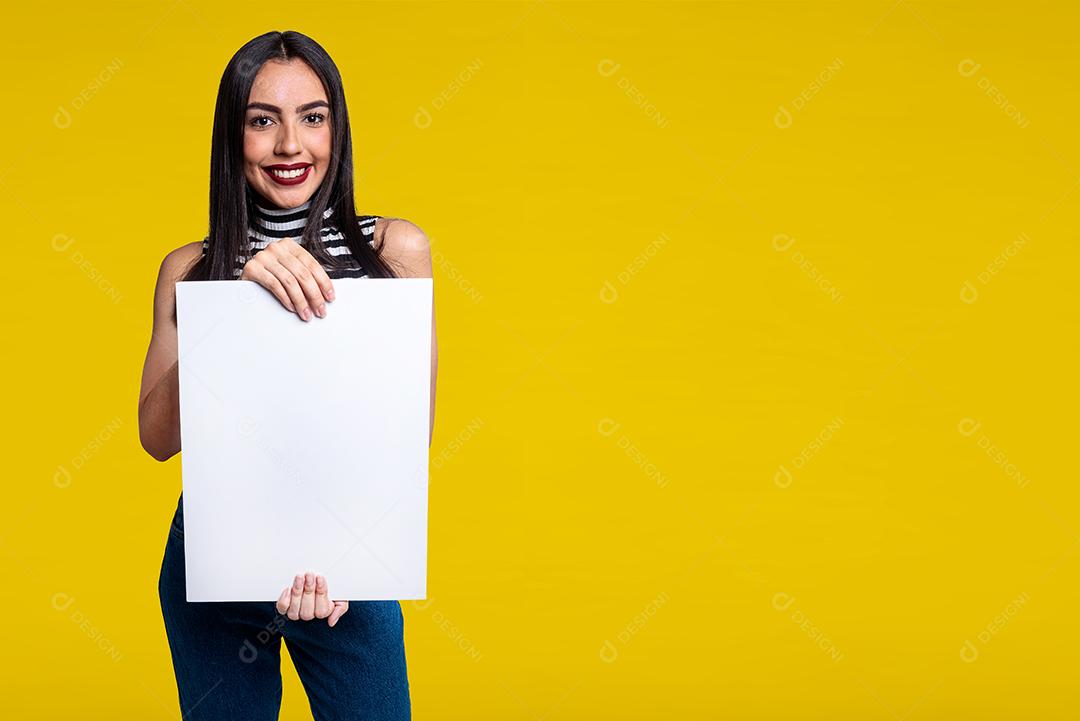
x=305, y=444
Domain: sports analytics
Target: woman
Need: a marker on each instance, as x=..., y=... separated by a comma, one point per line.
x=281, y=215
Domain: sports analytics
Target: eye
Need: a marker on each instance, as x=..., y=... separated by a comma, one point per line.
x=318, y=118
x=254, y=122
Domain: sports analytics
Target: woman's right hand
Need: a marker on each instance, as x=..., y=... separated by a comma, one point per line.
x=307, y=598
x=295, y=278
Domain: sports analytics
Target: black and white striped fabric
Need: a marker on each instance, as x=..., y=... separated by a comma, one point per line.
x=272, y=224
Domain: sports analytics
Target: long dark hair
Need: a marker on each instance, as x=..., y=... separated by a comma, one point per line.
x=230, y=195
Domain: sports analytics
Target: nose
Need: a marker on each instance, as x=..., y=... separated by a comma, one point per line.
x=288, y=141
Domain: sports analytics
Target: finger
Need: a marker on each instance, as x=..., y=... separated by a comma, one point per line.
x=323, y=604
x=282, y=604
x=296, y=594
x=326, y=287
x=292, y=287
x=307, y=603
x=340, y=607
x=312, y=291
x=258, y=273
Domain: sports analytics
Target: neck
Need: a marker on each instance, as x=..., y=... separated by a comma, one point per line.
x=273, y=222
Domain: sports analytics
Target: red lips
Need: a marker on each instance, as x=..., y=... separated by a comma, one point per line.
x=306, y=167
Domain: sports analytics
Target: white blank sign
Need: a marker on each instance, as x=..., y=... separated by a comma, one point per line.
x=305, y=444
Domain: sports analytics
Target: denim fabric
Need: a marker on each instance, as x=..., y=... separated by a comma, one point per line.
x=226, y=655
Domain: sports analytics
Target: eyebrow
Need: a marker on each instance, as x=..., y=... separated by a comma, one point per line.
x=299, y=108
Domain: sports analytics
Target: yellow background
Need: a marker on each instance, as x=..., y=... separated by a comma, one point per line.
x=652, y=300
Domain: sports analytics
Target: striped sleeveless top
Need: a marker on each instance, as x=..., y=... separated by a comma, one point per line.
x=268, y=225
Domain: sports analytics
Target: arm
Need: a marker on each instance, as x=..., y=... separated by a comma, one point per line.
x=407, y=249
x=159, y=394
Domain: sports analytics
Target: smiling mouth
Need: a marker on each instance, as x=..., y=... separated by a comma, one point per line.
x=288, y=174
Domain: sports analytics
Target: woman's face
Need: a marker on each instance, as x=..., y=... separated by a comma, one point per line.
x=287, y=140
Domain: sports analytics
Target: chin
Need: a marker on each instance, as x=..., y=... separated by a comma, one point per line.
x=283, y=198
x=289, y=195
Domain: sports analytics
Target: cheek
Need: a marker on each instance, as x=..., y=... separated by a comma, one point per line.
x=254, y=149
x=322, y=147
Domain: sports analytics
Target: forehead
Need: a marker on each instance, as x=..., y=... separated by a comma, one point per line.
x=286, y=84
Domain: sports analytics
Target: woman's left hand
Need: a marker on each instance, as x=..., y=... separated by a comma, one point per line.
x=307, y=598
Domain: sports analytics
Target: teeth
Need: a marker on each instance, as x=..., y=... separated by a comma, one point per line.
x=288, y=173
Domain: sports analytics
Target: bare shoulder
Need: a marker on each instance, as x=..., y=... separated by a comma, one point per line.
x=178, y=261
x=405, y=245
x=174, y=267
x=399, y=235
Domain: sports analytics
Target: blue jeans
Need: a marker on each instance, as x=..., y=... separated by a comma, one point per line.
x=226, y=655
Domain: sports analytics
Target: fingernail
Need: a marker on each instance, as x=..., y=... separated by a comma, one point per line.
x=330, y=294
x=321, y=311
x=306, y=314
